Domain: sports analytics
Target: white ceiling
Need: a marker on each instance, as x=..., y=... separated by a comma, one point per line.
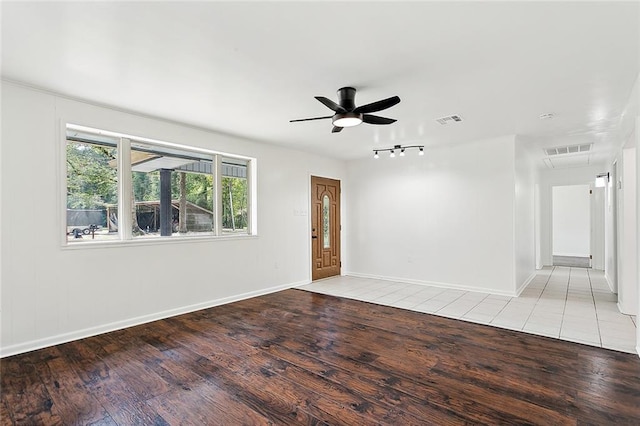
x=248, y=68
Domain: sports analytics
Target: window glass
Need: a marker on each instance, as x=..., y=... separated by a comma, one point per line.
x=235, y=196
x=92, y=188
x=167, y=189
x=172, y=192
x=326, y=239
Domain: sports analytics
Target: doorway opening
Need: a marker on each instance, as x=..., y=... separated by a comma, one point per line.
x=571, y=238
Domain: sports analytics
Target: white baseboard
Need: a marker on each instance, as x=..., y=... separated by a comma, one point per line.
x=638, y=349
x=119, y=325
x=433, y=284
x=625, y=309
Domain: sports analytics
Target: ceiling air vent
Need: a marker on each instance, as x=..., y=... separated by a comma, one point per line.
x=449, y=119
x=569, y=149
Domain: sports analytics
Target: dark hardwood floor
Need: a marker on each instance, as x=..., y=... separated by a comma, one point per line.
x=296, y=357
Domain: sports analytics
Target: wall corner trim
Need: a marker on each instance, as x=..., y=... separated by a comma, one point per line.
x=525, y=284
x=606, y=278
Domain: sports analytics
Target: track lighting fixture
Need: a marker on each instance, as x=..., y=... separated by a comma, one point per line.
x=402, y=149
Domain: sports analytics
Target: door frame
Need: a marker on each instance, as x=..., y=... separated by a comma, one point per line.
x=612, y=204
x=597, y=228
x=310, y=224
x=589, y=188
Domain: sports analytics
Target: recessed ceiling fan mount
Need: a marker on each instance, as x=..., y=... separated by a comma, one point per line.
x=348, y=115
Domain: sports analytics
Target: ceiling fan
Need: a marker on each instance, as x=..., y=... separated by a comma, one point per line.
x=348, y=115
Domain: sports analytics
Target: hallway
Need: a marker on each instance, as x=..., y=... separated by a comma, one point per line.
x=573, y=304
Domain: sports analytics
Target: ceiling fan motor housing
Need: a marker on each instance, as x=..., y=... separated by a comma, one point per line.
x=347, y=97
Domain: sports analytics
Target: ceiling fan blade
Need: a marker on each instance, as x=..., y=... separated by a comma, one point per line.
x=377, y=106
x=330, y=104
x=336, y=129
x=374, y=119
x=310, y=119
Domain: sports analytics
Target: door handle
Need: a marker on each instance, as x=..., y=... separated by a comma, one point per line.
x=314, y=236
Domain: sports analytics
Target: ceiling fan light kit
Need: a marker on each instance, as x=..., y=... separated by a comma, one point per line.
x=349, y=119
x=348, y=115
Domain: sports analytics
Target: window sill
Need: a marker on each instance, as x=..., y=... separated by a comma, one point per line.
x=154, y=241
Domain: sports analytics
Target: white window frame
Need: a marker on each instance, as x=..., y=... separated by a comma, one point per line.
x=125, y=191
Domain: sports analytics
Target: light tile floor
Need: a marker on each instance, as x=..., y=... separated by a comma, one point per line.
x=572, y=304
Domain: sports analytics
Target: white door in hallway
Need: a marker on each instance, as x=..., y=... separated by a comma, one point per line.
x=571, y=221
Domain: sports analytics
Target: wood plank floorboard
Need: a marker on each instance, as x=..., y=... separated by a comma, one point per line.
x=296, y=357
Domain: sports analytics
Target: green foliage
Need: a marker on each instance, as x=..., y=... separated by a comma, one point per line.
x=234, y=203
x=91, y=181
x=199, y=189
x=146, y=186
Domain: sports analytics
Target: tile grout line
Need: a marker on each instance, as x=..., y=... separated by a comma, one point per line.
x=467, y=292
x=474, y=306
x=537, y=301
x=505, y=305
x=395, y=291
x=450, y=302
x=595, y=308
x=417, y=292
x=566, y=296
x=500, y=311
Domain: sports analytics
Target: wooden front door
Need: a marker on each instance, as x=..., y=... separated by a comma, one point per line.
x=325, y=227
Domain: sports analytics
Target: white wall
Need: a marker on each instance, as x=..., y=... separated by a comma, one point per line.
x=631, y=118
x=524, y=238
x=51, y=294
x=536, y=228
x=571, y=220
x=627, y=182
x=549, y=178
x=627, y=282
x=637, y=134
x=446, y=218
